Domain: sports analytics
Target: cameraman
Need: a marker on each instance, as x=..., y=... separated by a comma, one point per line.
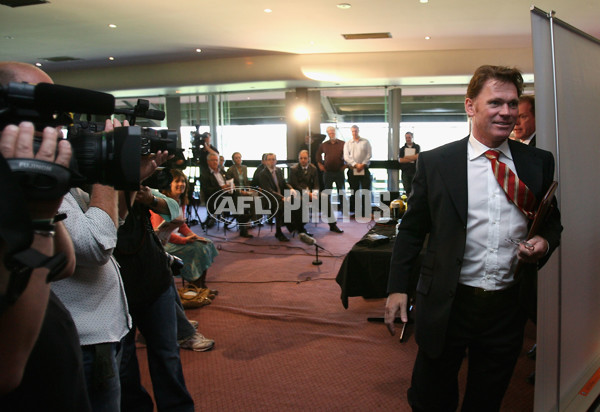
x=206, y=149
x=43, y=347
x=95, y=294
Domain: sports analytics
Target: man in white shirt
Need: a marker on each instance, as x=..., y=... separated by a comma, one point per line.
x=468, y=296
x=357, y=155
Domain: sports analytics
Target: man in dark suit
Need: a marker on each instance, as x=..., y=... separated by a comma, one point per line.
x=272, y=180
x=212, y=182
x=259, y=169
x=467, y=295
x=525, y=133
x=407, y=157
x=525, y=126
x=304, y=178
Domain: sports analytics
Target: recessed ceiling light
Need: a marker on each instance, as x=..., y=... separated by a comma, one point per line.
x=112, y=26
x=198, y=50
x=111, y=58
x=427, y=37
x=423, y=1
x=344, y=6
x=268, y=10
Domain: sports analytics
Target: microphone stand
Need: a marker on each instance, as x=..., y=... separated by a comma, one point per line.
x=317, y=261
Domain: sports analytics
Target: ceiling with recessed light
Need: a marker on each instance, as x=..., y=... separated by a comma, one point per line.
x=76, y=34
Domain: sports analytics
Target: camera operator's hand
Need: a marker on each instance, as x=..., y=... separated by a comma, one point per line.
x=151, y=162
x=17, y=142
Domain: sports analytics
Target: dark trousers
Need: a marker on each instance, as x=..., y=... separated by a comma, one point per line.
x=157, y=322
x=358, y=182
x=489, y=329
x=329, y=179
x=407, y=178
x=293, y=222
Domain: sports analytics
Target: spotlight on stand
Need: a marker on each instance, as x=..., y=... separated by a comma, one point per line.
x=301, y=114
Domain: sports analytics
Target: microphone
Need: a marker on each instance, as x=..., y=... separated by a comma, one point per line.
x=55, y=97
x=309, y=240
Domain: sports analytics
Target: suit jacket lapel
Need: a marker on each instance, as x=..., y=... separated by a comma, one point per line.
x=528, y=166
x=453, y=170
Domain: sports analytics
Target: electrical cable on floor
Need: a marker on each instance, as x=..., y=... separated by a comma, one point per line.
x=297, y=281
x=225, y=241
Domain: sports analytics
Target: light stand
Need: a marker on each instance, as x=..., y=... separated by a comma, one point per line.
x=309, y=142
x=317, y=261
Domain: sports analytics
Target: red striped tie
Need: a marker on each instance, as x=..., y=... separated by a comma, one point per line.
x=516, y=191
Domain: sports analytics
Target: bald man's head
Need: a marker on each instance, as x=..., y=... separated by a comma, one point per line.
x=22, y=72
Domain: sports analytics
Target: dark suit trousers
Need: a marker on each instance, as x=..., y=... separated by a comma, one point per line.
x=358, y=182
x=489, y=329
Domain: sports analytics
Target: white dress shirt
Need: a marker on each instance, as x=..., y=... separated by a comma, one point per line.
x=489, y=261
x=357, y=151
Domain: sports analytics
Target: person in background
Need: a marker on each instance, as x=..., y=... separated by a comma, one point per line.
x=272, y=180
x=222, y=164
x=525, y=127
x=330, y=160
x=259, y=169
x=304, y=178
x=407, y=157
x=468, y=295
x=524, y=132
x=357, y=155
x=197, y=253
x=213, y=183
x=237, y=171
x=206, y=149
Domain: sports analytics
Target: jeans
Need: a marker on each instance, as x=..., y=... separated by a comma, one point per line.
x=157, y=322
x=185, y=330
x=102, y=377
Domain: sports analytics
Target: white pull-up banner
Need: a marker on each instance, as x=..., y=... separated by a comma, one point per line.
x=567, y=88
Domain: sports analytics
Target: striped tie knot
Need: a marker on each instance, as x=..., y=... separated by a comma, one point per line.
x=516, y=191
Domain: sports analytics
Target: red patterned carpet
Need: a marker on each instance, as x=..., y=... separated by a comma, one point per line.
x=284, y=342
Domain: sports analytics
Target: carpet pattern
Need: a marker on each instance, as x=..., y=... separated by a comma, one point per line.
x=284, y=342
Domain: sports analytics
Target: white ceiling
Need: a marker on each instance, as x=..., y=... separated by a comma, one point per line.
x=156, y=30
x=153, y=31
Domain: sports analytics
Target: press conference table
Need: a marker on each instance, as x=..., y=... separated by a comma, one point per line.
x=364, y=271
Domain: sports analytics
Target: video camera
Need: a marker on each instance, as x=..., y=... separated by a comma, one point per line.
x=198, y=141
x=110, y=158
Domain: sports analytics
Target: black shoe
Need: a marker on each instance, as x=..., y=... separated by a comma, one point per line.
x=334, y=228
x=281, y=237
x=244, y=233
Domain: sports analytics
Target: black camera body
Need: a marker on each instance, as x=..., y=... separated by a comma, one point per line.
x=111, y=158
